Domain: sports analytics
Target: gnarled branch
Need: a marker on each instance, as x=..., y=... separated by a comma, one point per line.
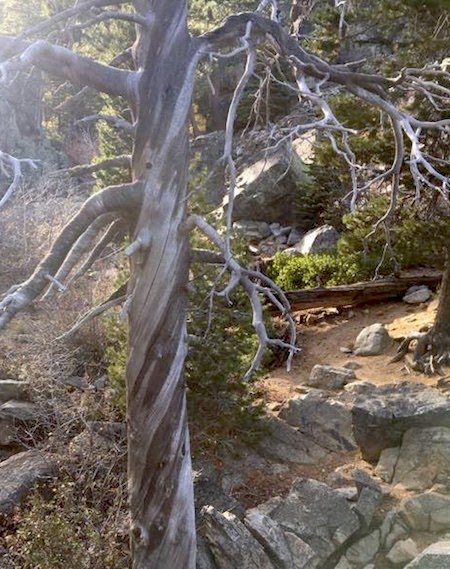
x=113, y=199
x=15, y=164
x=64, y=63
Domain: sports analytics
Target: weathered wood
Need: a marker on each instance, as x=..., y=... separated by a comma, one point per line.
x=361, y=293
x=160, y=478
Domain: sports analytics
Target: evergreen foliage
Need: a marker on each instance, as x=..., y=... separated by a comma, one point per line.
x=361, y=252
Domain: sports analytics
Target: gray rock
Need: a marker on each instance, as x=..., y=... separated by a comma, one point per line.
x=22, y=411
x=19, y=474
x=343, y=564
x=208, y=492
x=317, y=240
x=265, y=189
x=8, y=433
x=372, y=341
x=205, y=153
x=100, y=383
x=381, y=417
x=417, y=295
x=364, y=550
x=424, y=459
x=393, y=529
x=271, y=537
x=436, y=556
x=358, y=387
x=329, y=377
x=402, y=552
x=303, y=149
x=318, y=515
x=426, y=512
x=11, y=389
x=386, y=465
x=325, y=420
x=303, y=555
x=254, y=230
x=294, y=237
x=352, y=365
x=75, y=381
x=350, y=493
x=364, y=479
x=278, y=230
x=204, y=556
x=287, y=444
x=367, y=504
x=231, y=543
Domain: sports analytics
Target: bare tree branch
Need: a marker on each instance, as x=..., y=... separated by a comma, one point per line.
x=79, y=248
x=49, y=23
x=14, y=164
x=234, y=28
x=113, y=199
x=61, y=62
x=93, y=313
x=114, y=232
x=245, y=277
x=106, y=15
x=118, y=162
x=114, y=121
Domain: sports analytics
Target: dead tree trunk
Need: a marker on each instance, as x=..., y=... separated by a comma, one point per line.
x=160, y=476
x=159, y=91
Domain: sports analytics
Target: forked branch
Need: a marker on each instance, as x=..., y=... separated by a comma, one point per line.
x=123, y=199
x=251, y=282
x=12, y=167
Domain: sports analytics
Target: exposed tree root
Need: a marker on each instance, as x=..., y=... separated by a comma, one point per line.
x=424, y=357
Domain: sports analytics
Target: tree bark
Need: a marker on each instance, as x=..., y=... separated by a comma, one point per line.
x=440, y=333
x=159, y=463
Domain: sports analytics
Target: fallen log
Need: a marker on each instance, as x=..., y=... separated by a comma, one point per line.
x=362, y=293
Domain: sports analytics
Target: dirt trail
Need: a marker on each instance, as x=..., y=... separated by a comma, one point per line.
x=322, y=336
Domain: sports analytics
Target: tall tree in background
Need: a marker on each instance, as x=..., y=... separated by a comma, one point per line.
x=159, y=88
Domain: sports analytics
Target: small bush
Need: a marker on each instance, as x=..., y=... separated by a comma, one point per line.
x=309, y=271
x=223, y=407
x=358, y=256
x=61, y=529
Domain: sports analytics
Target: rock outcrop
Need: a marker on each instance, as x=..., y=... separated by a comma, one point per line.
x=19, y=474
x=382, y=417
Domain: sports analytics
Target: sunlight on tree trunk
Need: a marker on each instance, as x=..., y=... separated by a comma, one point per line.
x=159, y=92
x=160, y=474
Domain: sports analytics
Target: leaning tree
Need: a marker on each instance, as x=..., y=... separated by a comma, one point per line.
x=153, y=207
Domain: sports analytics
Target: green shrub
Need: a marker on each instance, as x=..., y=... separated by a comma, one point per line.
x=417, y=239
x=66, y=531
x=410, y=230
x=309, y=271
x=223, y=407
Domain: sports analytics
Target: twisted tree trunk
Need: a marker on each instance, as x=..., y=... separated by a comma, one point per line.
x=160, y=477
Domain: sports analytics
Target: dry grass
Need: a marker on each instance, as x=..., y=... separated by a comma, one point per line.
x=29, y=350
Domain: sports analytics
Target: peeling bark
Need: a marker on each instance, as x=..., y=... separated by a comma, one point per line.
x=160, y=474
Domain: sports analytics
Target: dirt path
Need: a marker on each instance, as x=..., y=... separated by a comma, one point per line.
x=322, y=336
